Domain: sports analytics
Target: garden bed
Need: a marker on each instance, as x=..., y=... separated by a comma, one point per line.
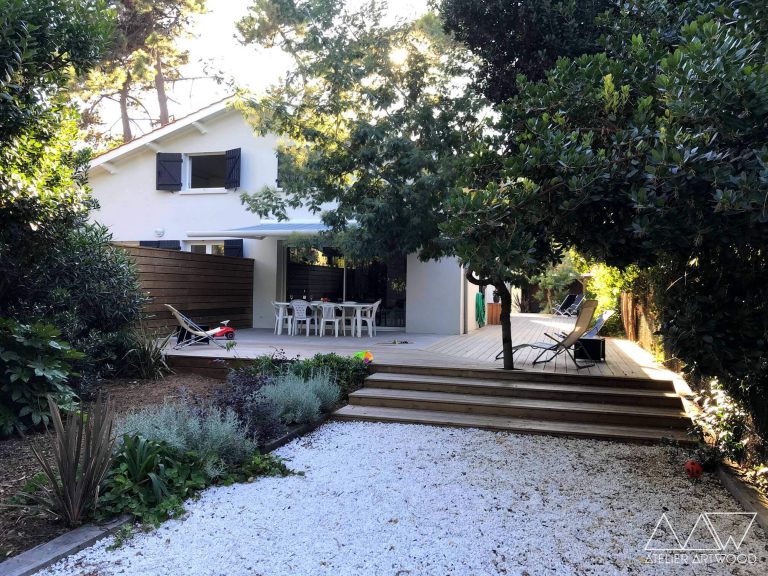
x=20, y=528
x=409, y=499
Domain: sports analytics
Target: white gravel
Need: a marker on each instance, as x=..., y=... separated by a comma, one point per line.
x=392, y=499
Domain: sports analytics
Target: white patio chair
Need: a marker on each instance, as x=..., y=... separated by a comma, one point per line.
x=368, y=315
x=348, y=318
x=284, y=317
x=302, y=312
x=328, y=316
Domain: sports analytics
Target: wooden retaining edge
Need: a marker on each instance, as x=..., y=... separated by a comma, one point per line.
x=296, y=433
x=48, y=553
x=749, y=498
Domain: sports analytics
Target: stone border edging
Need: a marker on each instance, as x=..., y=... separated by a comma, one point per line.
x=48, y=553
x=749, y=498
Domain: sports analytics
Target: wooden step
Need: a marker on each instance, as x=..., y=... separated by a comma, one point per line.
x=526, y=389
x=528, y=376
x=536, y=409
x=520, y=425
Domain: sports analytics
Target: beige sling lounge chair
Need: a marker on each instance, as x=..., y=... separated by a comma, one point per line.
x=196, y=333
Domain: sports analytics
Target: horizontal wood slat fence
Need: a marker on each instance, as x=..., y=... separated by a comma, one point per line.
x=205, y=287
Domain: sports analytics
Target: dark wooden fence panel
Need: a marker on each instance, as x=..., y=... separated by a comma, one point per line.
x=205, y=287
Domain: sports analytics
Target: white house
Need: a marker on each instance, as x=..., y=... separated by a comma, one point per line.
x=179, y=187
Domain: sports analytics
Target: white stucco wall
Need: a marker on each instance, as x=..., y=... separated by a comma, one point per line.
x=434, y=296
x=133, y=210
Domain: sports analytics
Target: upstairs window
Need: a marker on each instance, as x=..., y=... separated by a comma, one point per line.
x=203, y=173
x=207, y=171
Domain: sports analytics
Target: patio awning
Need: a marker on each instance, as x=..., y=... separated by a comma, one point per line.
x=264, y=230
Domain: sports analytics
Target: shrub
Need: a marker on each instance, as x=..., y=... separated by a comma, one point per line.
x=35, y=365
x=217, y=436
x=347, y=372
x=82, y=454
x=149, y=480
x=259, y=416
x=723, y=419
x=87, y=287
x=327, y=391
x=296, y=402
x=262, y=418
x=146, y=357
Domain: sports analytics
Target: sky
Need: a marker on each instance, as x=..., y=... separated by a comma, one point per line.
x=212, y=45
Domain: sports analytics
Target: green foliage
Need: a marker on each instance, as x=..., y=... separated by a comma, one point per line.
x=606, y=283
x=554, y=282
x=150, y=480
x=35, y=365
x=653, y=153
x=296, y=401
x=263, y=465
x=144, y=56
x=723, y=420
x=216, y=435
x=146, y=357
x=525, y=37
x=90, y=289
x=373, y=118
x=82, y=454
x=53, y=266
x=347, y=372
x=42, y=42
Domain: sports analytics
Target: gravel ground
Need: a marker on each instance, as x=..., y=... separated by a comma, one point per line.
x=391, y=499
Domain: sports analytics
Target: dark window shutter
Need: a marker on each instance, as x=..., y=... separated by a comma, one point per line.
x=280, y=159
x=166, y=244
x=232, y=179
x=233, y=248
x=168, y=171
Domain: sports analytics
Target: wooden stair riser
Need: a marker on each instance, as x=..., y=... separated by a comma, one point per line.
x=661, y=401
x=521, y=427
x=495, y=374
x=596, y=416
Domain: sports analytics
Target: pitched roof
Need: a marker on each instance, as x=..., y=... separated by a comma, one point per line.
x=217, y=108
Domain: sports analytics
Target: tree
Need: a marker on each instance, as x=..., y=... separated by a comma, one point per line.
x=52, y=262
x=524, y=37
x=499, y=242
x=376, y=126
x=653, y=152
x=42, y=179
x=143, y=59
x=382, y=132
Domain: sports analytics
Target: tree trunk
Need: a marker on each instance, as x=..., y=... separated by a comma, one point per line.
x=162, y=97
x=506, y=324
x=124, y=89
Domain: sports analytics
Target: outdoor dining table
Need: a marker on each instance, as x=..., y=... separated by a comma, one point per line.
x=358, y=308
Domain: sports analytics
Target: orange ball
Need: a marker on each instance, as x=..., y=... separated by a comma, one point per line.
x=693, y=469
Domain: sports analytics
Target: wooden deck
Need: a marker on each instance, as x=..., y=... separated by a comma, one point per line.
x=623, y=358
x=474, y=350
